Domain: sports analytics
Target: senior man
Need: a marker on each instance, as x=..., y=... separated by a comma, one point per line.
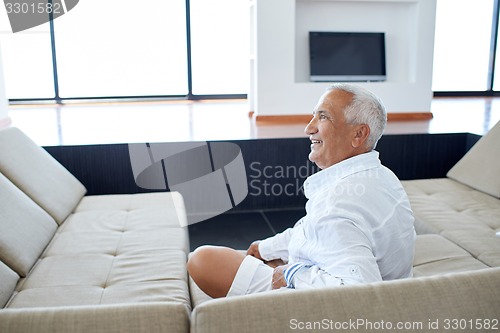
x=358, y=226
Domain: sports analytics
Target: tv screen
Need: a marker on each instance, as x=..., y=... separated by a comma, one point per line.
x=347, y=56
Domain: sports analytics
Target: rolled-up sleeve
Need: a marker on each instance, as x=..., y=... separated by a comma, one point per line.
x=276, y=247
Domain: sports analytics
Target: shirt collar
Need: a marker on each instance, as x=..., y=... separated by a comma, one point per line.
x=340, y=170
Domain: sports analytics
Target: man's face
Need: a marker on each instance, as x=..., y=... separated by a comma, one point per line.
x=332, y=139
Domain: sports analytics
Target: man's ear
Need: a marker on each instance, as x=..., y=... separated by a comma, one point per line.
x=361, y=134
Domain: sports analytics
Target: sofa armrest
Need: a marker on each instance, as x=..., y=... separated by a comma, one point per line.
x=418, y=302
x=143, y=317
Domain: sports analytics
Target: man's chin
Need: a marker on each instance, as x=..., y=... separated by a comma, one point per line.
x=313, y=159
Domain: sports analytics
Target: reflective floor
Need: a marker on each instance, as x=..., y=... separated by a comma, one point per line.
x=102, y=123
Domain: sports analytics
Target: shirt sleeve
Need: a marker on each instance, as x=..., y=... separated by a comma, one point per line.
x=276, y=247
x=343, y=255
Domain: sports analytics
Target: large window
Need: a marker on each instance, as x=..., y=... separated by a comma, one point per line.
x=220, y=46
x=496, y=81
x=122, y=48
x=125, y=48
x=27, y=61
x=462, y=45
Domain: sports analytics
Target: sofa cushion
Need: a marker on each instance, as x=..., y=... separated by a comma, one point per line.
x=463, y=215
x=435, y=255
x=38, y=174
x=9, y=280
x=26, y=229
x=479, y=167
x=113, y=249
x=158, y=208
x=197, y=295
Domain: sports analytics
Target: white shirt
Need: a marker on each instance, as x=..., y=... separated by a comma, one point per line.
x=358, y=228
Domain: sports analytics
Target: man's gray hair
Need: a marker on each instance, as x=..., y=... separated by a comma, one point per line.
x=365, y=108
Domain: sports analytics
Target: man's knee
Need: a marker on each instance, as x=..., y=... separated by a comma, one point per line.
x=208, y=262
x=199, y=260
x=213, y=268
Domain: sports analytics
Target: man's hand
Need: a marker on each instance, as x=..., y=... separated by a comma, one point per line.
x=253, y=250
x=278, y=277
x=274, y=263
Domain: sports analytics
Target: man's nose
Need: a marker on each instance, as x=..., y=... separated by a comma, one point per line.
x=311, y=127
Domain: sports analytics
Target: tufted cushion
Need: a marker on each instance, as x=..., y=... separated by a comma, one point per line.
x=26, y=229
x=170, y=212
x=467, y=217
x=435, y=255
x=480, y=167
x=38, y=174
x=113, y=249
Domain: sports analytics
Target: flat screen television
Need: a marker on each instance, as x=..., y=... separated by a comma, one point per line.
x=347, y=56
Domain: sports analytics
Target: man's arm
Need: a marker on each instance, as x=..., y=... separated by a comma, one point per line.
x=272, y=248
x=342, y=255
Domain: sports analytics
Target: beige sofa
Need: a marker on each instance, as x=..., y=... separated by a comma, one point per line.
x=75, y=263
x=117, y=263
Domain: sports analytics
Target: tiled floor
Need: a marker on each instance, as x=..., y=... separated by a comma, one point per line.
x=76, y=124
x=218, y=120
x=239, y=230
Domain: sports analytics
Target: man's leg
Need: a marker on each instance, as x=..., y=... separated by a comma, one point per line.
x=213, y=268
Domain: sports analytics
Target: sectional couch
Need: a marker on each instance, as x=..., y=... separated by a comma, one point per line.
x=117, y=263
x=76, y=263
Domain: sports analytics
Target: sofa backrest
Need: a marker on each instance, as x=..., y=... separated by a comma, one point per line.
x=480, y=167
x=38, y=174
x=416, y=305
x=25, y=228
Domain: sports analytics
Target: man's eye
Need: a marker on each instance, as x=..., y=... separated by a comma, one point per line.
x=323, y=117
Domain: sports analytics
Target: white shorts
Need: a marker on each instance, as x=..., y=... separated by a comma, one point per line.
x=253, y=276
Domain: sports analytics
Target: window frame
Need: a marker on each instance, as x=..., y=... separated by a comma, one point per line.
x=190, y=96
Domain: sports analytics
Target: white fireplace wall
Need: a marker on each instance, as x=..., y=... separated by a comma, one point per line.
x=280, y=53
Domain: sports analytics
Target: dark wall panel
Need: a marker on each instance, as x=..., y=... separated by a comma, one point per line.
x=103, y=169
x=421, y=156
x=275, y=168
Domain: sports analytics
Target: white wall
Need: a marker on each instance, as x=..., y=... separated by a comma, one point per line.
x=280, y=63
x=4, y=111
